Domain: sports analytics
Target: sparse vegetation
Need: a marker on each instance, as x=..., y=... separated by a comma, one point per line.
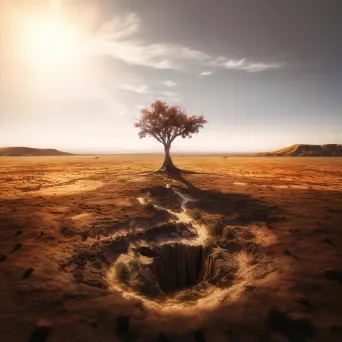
x=121, y=271
x=216, y=229
x=133, y=263
x=132, y=228
x=152, y=244
x=209, y=242
x=197, y=214
x=150, y=206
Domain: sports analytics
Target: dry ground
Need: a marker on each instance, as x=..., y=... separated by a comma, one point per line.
x=50, y=207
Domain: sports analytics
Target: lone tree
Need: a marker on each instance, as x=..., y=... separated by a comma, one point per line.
x=165, y=124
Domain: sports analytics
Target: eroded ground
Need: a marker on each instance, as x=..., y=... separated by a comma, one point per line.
x=66, y=221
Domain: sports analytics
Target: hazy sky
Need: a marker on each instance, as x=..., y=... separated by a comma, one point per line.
x=265, y=73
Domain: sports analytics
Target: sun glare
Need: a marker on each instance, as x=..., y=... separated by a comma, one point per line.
x=51, y=42
x=49, y=39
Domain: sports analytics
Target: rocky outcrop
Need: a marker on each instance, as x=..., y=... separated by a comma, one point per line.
x=303, y=150
x=220, y=267
x=142, y=280
x=165, y=230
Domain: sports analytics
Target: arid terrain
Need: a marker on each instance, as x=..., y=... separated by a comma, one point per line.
x=243, y=249
x=302, y=150
x=28, y=151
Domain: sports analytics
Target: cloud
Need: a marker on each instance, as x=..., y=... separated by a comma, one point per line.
x=170, y=96
x=244, y=65
x=169, y=83
x=205, y=73
x=118, y=39
x=143, y=89
x=158, y=56
x=120, y=27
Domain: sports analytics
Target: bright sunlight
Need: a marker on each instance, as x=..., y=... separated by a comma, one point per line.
x=50, y=42
x=47, y=37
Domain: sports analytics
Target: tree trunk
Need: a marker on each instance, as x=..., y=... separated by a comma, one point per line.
x=168, y=165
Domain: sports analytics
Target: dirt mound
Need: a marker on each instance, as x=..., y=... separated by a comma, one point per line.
x=301, y=150
x=28, y=151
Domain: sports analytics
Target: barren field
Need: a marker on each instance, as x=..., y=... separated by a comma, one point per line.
x=243, y=250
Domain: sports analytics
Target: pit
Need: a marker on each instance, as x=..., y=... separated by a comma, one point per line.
x=176, y=266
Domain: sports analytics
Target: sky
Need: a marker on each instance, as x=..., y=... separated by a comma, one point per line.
x=74, y=74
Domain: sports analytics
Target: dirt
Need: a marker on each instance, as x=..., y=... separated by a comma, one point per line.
x=281, y=219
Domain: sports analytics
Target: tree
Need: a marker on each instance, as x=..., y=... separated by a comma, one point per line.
x=166, y=123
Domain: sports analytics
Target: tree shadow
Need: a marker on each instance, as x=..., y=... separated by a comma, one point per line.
x=238, y=209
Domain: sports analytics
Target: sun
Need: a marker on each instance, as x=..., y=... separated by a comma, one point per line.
x=52, y=42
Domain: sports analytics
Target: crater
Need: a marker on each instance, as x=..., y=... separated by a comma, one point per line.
x=178, y=261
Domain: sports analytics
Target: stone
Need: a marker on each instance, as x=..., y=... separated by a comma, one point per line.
x=220, y=266
x=28, y=272
x=293, y=327
x=142, y=280
x=41, y=332
x=17, y=247
x=333, y=274
x=198, y=336
x=122, y=324
x=162, y=338
x=188, y=296
x=95, y=283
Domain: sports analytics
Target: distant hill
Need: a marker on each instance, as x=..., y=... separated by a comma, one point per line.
x=301, y=150
x=27, y=151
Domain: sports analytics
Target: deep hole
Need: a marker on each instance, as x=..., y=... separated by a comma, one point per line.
x=176, y=266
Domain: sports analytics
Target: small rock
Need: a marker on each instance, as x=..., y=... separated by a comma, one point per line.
x=294, y=328
x=334, y=275
x=290, y=254
x=41, y=332
x=94, y=324
x=3, y=257
x=95, y=283
x=187, y=296
x=142, y=280
x=198, y=336
x=250, y=288
x=122, y=324
x=162, y=338
x=28, y=272
x=17, y=247
x=18, y=232
x=327, y=240
x=305, y=302
x=40, y=235
x=78, y=275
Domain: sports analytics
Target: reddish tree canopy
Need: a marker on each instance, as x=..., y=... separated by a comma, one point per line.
x=165, y=123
